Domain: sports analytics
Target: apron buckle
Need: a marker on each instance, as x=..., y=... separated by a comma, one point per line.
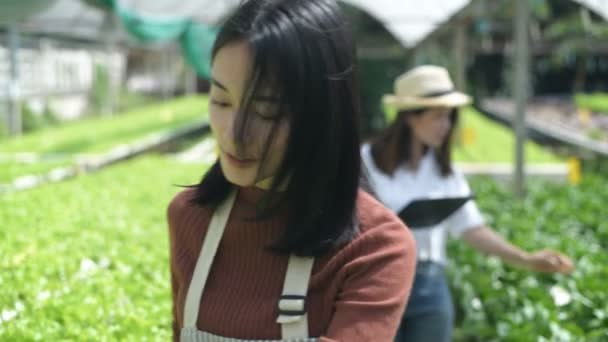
x=292, y=305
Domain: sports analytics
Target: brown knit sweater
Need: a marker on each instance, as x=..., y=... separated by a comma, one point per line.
x=356, y=293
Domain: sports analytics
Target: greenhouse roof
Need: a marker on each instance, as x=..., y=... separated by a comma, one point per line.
x=409, y=21
x=598, y=6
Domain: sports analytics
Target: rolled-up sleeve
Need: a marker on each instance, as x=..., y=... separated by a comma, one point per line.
x=467, y=217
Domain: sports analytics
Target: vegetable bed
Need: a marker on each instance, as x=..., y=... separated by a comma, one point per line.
x=59, y=146
x=87, y=260
x=496, y=302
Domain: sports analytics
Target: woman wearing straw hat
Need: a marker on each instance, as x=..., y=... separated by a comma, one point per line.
x=411, y=160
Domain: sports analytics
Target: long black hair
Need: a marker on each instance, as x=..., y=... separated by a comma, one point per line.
x=305, y=50
x=392, y=148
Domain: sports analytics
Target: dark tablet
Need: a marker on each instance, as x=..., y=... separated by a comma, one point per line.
x=426, y=213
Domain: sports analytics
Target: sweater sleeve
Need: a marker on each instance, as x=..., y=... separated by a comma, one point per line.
x=376, y=286
x=174, y=324
x=173, y=215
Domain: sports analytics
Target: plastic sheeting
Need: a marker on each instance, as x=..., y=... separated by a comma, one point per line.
x=193, y=22
x=598, y=6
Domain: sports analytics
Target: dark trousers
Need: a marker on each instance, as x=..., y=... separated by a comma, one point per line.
x=430, y=312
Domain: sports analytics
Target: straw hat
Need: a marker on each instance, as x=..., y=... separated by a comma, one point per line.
x=423, y=87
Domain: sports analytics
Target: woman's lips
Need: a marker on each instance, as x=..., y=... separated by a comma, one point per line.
x=238, y=162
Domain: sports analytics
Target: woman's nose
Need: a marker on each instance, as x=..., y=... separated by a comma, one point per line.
x=239, y=129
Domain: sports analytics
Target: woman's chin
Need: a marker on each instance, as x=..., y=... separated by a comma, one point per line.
x=434, y=144
x=239, y=177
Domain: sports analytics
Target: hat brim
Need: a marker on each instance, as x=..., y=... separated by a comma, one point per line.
x=454, y=99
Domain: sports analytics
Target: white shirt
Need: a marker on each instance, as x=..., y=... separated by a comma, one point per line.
x=406, y=185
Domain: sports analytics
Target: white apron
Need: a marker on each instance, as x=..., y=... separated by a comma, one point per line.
x=291, y=304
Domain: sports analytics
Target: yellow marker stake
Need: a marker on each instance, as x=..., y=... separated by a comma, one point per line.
x=584, y=116
x=574, y=171
x=468, y=136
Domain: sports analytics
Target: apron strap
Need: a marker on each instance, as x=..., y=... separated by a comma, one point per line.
x=205, y=259
x=292, y=304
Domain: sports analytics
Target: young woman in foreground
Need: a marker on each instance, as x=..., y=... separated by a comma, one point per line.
x=277, y=242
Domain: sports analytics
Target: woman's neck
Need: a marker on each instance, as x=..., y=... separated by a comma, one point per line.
x=266, y=184
x=255, y=196
x=251, y=194
x=416, y=154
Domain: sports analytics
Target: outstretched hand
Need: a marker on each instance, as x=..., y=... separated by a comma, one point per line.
x=549, y=261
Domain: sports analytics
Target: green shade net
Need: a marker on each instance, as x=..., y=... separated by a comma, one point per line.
x=152, y=30
x=197, y=42
x=196, y=39
x=104, y=4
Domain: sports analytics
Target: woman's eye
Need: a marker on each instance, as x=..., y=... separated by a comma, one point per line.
x=266, y=113
x=265, y=116
x=220, y=103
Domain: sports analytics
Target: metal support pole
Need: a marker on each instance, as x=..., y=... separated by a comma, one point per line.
x=166, y=72
x=522, y=60
x=190, y=86
x=461, y=55
x=112, y=92
x=14, y=121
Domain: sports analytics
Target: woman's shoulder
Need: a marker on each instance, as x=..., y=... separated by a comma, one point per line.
x=456, y=176
x=182, y=205
x=366, y=152
x=181, y=201
x=458, y=182
x=383, y=245
x=380, y=224
x=370, y=169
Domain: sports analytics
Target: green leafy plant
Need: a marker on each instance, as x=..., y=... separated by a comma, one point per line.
x=499, y=302
x=596, y=134
x=597, y=102
x=3, y=128
x=99, y=90
x=88, y=259
x=492, y=142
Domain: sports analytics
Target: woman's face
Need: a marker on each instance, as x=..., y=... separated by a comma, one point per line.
x=431, y=127
x=242, y=165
